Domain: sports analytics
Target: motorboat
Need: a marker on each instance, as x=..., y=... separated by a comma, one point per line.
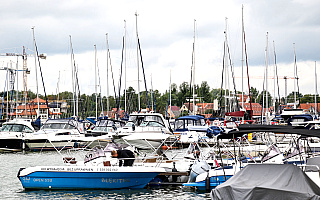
x=145, y=130
x=94, y=172
x=13, y=133
x=57, y=134
x=105, y=127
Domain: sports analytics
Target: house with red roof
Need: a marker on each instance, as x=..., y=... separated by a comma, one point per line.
x=35, y=108
x=255, y=107
x=310, y=107
x=174, y=111
x=112, y=114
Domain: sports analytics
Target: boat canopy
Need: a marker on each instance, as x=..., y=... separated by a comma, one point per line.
x=250, y=128
x=268, y=181
x=182, y=123
x=191, y=117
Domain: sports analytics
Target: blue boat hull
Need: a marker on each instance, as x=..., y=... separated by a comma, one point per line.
x=214, y=182
x=85, y=180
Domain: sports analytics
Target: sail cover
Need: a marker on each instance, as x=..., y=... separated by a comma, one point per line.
x=268, y=181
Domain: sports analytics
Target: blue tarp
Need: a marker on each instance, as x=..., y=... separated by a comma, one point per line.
x=213, y=131
x=191, y=117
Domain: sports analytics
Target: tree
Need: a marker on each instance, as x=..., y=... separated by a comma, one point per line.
x=290, y=97
x=261, y=100
x=184, y=92
x=308, y=98
x=254, y=94
x=204, y=91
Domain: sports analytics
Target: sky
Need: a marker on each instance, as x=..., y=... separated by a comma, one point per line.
x=287, y=30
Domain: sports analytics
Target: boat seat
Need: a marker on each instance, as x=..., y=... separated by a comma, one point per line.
x=151, y=160
x=69, y=160
x=106, y=163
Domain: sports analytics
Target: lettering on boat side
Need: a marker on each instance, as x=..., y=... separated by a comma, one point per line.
x=52, y=169
x=108, y=169
x=117, y=180
x=26, y=179
x=67, y=169
x=102, y=169
x=42, y=180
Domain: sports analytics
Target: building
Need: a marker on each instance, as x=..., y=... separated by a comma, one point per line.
x=174, y=111
x=31, y=110
x=256, y=109
x=310, y=108
x=112, y=113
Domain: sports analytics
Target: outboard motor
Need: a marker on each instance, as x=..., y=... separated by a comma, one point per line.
x=197, y=168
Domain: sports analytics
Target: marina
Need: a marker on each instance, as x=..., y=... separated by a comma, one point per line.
x=102, y=101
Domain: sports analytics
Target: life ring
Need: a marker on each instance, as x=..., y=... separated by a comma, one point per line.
x=208, y=122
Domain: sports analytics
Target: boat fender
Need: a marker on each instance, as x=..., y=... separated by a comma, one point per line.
x=174, y=169
x=207, y=182
x=75, y=145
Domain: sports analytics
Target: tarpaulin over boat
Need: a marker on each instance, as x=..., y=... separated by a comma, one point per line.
x=268, y=181
x=250, y=128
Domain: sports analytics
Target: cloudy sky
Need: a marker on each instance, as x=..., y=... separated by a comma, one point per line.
x=166, y=32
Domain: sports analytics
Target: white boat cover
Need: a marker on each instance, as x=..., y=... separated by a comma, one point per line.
x=268, y=181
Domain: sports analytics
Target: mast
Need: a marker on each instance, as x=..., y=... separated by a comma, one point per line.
x=17, y=97
x=107, y=75
x=242, y=58
x=266, y=79
x=225, y=69
x=151, y=92
x=274, y=79
x=295, y=76
x=25, y=90
x=35, y=57
x=58, y=93
x=315, y=90
x=125, y=67
x=7, y=109
x=95, y=78
x=139, y=106
x=193, y=69
x=170, y=95
x=73, y=78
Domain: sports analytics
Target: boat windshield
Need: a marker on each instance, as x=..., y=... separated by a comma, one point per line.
x=101, y=129
x=15, y=128
x=105, y=123
x=57, y=126
x=146, y=120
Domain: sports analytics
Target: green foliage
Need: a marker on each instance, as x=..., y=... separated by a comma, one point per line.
x=179, y=95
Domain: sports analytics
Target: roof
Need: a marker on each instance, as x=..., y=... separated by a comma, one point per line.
x=307, y=106
x=256, y=107
x=40, y=100
x=187, y=105
x=205, y=105
x=175, y=108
